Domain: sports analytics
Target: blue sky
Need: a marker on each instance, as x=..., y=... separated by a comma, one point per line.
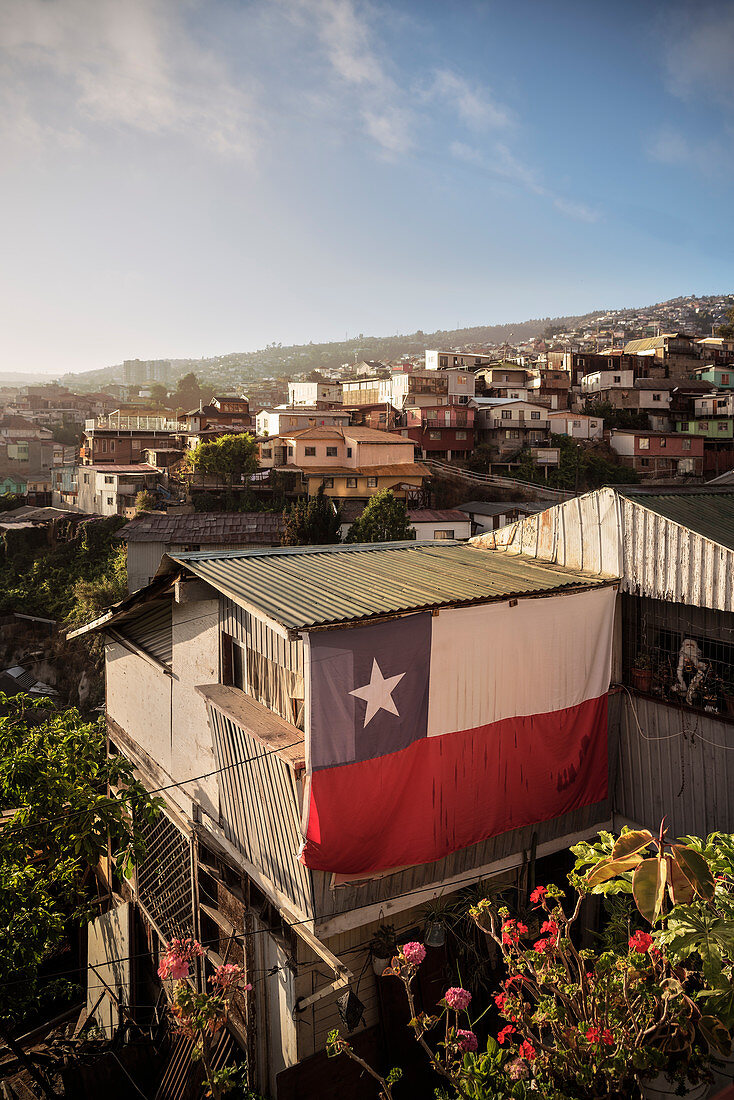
x=183, y=178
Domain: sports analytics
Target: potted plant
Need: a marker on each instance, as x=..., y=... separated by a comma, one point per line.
x=641, y=674
x=383, y=946
x=438, y=915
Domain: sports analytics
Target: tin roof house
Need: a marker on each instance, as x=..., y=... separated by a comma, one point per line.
x=342, y=734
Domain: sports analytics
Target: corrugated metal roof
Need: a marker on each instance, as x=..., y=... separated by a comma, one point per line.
x=314, y=586
x=710, y=514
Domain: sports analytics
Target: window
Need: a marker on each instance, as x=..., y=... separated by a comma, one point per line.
x=461, y=379
x=109, y=480
x=685, y=444
x=703, y=425
x=644, y=462
x=434, y=435
x=535, y=416
x=290, y=452
x=617, y=379
x=267, y=452
x=292, y=421
x=507, y=414
x=443, y=534
x=110, y=500
x=725, y=379
x=310, y=452
x=443, y=360
x=371, y=482
x=722, y=426
x=644, y=443
x=328, y=482
x=657, y=397
x=331, y=452
x=351, y=483
x=86, y=479
x=461, y=435
x=663, y=442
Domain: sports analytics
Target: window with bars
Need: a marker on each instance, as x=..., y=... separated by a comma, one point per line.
x=681, y=654
x=164, y=880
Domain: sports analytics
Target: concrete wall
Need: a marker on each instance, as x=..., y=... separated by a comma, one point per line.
x=162, y=714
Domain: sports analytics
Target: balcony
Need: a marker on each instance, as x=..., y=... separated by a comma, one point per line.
x=449, y=418
x=118, y=423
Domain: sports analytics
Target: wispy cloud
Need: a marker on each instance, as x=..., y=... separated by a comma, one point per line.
x=501, y=163
x=473, y=102
x=69, y=66
x=699, y=52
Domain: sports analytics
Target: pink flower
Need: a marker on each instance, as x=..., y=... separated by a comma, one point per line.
x=527, y=1050
x=414, y=952
x=518, y=1070
x=506, y=1031
x=227, y=975
x=466, y=1040
x=540, y=946
x=457, y=998
x=538, y=894
x=176, y=961
x=593, y=1035
x=641, y=942
x=607, y=1038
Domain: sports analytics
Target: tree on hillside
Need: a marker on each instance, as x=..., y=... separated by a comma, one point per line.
x=230, y=458
x=727, y=329
x=385, y=519
x=313, y=522
x=159, y=393
x=144, y=502
x=66, y=797
x=188, y=391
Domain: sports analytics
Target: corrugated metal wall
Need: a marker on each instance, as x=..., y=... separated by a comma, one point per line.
x=143, y=559
x=260, y=807
x=670, y=562
x=677, y=763
x=253, y=632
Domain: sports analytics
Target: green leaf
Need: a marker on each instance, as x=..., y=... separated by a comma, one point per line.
x=648, y=887
x=716, y=1035
x=606, y=871
x=696, y=870
x=629, y=843
x=679, y=886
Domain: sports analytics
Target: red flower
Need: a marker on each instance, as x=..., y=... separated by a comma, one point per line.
x=538, y=894
x=527, y=1050
x=550, y=926
x=540, y=946
x=500, y=1000
x=607, y=1038
x=504, y=1034
x=522, y=928
x=641, y=942
x=593, y=1035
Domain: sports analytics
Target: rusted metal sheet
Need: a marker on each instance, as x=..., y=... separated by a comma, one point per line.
x=665, y=560
x=674, y=763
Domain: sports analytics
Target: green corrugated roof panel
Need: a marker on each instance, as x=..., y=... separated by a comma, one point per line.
x=710, y=514
x=316, y=586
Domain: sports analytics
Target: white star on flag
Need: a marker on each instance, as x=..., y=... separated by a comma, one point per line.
x=378, y=693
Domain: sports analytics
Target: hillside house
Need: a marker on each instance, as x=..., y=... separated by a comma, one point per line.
x=245, y=670
x=658, y=454
x=350, y=462
x=445, y=433
x=510, y=425
x=149, y=537
x=576, y=425
x=314, y=393
x=111, y=489
x=288, y=418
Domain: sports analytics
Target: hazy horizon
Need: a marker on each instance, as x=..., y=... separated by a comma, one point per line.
x=188, y=180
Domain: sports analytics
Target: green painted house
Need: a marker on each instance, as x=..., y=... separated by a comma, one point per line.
x=721, y=377
x=721, y=427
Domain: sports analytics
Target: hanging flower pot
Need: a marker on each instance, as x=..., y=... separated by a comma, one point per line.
x=641, y=679
x=382, y=948
x=435, y=933
x=379, y=965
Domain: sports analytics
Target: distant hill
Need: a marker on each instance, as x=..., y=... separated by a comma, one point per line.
x=694, y=314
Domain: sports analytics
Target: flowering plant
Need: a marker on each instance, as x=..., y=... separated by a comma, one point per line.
x=199, y=1016
x=471, y=1074
x=592, y=1023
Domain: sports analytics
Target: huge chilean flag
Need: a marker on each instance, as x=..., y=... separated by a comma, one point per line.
x=431, y=732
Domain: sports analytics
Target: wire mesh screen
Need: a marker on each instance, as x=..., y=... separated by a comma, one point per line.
x=164, y=878
x=680, y=653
